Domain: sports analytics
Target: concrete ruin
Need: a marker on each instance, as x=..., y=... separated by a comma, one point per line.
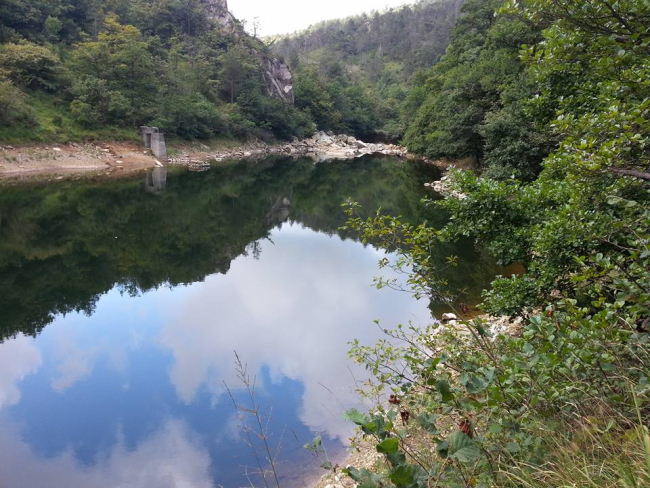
x=154, y=140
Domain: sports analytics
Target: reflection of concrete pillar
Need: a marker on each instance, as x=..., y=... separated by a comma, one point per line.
x=156, y=181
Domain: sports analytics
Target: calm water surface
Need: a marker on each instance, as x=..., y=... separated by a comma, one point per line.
x=122, y=303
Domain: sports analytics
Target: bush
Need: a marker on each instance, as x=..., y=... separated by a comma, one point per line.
x=495, y=408
x=95, y=104
x=13, y=108
x=191, y=116
x=284, y=120
x=30, y=66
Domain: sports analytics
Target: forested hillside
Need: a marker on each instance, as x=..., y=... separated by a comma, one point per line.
x=100, y=68
x=354, y=74
x=476, y=102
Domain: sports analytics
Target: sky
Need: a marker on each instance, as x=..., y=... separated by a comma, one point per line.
x=287, y=16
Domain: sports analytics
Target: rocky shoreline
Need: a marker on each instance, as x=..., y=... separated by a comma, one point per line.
x=321, y=147
x=111, y=159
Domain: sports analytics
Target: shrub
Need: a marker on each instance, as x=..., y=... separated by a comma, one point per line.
x=13, y=106
x=492, y=409
x=191, y=116
x=30, y=66
x=95, y=104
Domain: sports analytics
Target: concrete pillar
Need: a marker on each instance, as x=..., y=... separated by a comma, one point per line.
x=153, y=139
x=158, y=146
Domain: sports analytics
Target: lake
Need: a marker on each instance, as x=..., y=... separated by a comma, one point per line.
x=122, y=303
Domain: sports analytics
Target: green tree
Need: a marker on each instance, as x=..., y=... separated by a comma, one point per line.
x=313, y=97
x=53, y=27
x=236, y=68
x=471, y=104
x=122, y=60
x=30, y=66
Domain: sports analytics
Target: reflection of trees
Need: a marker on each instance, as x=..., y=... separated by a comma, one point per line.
x=63, y=246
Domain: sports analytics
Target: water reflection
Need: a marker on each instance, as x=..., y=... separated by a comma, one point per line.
x=172, y=458
x=156, y=180
x=19, y=359
x=148, y=295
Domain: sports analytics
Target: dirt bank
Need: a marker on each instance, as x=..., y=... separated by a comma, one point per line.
x=61, y=161
x=113, y=159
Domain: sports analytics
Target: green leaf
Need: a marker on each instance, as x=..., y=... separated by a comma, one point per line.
x=462, y=448
x=403, y=476
x=513, y=447
x=388, y=446
x=444, y=389
x=353, y=415
x=365, y=478
x=409, y=476
x=443, y=449
x=428, y=422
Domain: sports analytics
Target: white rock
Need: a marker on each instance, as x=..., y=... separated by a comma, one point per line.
x=57, y=149
x=448, y=317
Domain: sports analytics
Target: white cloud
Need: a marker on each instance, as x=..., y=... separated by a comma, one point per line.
x=18, y=359
x=293, y=15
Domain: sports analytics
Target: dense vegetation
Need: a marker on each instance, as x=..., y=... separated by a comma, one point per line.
x=552, y=99
x=100, y=68
x=353, y=75
x=74, y=69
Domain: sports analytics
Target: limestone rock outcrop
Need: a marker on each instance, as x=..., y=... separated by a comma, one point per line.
x=279, y=79
x=218, y=12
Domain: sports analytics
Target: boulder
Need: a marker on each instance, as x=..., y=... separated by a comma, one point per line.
x=448, y=317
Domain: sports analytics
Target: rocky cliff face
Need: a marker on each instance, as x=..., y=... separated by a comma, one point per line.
x=218, y=12
x=279, y=79
x=277, y=74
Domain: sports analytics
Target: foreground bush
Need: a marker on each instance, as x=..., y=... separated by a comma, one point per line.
x=564, y=400
x=480, y=407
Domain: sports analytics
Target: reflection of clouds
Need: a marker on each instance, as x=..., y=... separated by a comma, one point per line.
x=294, y=311
x=76, y=347
x=73, y=364
x=170, y=459
x=18, y=359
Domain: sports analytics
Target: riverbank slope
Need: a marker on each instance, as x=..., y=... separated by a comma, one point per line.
x=110, y=159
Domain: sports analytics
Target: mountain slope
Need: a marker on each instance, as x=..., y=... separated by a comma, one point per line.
x=354, y=74
x=415, y=36
x=73, y=69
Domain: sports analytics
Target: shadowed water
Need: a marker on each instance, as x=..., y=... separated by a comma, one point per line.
x=121, y=303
